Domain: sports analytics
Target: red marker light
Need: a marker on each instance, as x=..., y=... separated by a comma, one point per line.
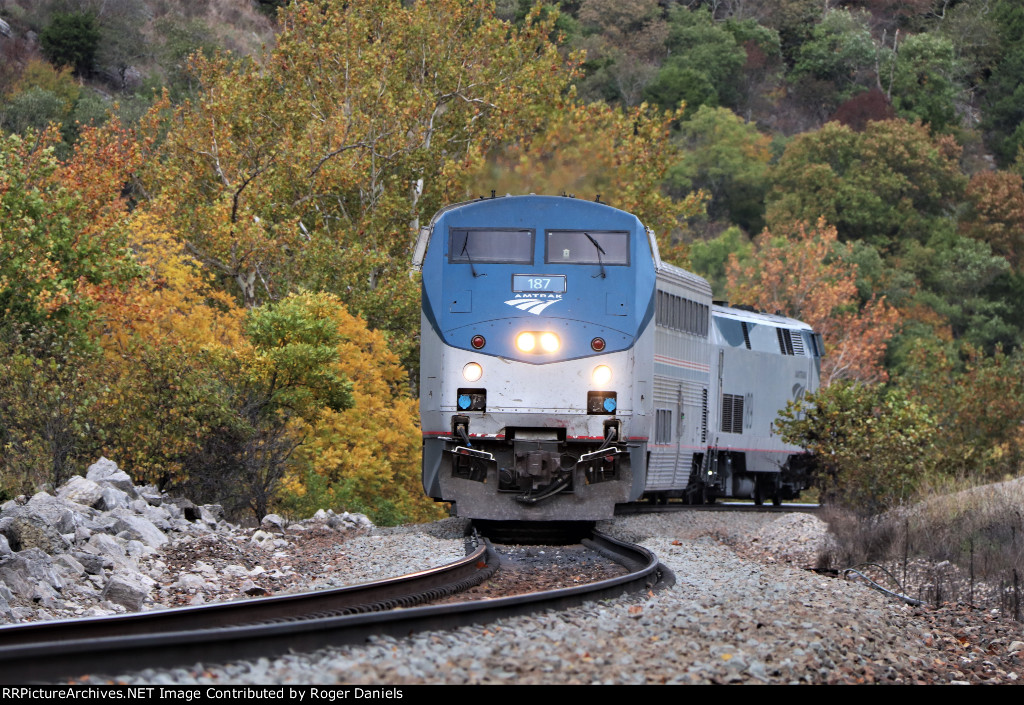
x=478, y=341
x=597, y=344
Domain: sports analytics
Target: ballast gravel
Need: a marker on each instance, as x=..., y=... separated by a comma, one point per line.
x=728, y=619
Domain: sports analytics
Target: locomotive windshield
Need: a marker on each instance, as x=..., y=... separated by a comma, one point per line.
x=601, y=247
x=490, y=245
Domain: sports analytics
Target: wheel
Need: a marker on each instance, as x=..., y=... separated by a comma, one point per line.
x=776, y=500
x=705, y=496
x=758, y=493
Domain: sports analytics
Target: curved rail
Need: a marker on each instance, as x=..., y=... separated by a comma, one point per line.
x=53, y=655
x=645, y=508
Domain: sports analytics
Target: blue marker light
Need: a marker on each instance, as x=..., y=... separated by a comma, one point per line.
x=609, y=404
x=464, y=401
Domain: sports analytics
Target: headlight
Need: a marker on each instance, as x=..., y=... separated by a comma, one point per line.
x=536, y=342
x=472, y=372
x=549, y=342
x=526, y=342
x=602, y=375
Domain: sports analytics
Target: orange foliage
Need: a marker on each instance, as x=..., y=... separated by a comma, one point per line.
x=801, y=273
x=996, y=213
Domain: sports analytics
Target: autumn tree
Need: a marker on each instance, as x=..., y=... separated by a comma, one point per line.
x=365, y=458
x=162, y=338
x=995, y=213
x=802, y=272
x=62, y=252
x=316, y=167
x=62, y=234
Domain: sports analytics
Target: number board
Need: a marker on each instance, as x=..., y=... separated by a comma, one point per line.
x=530, y=283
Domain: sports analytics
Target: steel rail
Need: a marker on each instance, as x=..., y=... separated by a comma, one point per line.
x=402, y=591
x=57, y=658
x=645, y=508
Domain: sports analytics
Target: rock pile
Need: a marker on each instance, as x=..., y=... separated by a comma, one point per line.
x=103, y=545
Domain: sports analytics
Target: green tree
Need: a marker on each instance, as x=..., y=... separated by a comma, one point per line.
x=837, y=61
x=1003, y=93
x=726, y=158
x=892, y=182
x=978, y=404
x=873, y=445
x=709, y=258
x=71, y=39
x=704, y=64
x=957, y=278
x=925, y=80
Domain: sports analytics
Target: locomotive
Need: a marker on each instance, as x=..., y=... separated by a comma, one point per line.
x=565, y=369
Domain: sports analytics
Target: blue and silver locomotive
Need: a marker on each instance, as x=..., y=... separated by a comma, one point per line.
x=566, y=369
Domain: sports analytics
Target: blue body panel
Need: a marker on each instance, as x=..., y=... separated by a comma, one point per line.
x=616, y=306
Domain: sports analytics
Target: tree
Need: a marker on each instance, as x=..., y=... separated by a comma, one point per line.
x=624, y=43
x=316, y=168
x=978, y=405
x=892, y=182
x=62, y=252
x=63, y=237
x=839, y=54
x=995, y=213
x=1003, y=95
x=703, y=67
x=709, y=258
x=873, y=445
x=925, y=80
x=802, y=273
x=71, y=39
x=728, y=159
x=863, y=108
x=958, y=281
x=365, y=458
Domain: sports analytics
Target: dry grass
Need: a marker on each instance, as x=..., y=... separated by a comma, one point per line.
x=964, y=547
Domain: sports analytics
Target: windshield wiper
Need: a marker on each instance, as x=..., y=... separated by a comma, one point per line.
x=600, y=251
x=465, y=251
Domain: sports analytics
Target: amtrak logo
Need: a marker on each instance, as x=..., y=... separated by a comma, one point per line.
x=533, y=304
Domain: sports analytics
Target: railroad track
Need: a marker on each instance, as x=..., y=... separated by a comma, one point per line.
x=646, y=508
x=48, y=651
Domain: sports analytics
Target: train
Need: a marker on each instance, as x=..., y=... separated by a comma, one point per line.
x=565, y=369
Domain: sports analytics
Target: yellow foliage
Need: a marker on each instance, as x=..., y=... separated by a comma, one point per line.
x=60, y=82
x=368, y=456
x=176, y=305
